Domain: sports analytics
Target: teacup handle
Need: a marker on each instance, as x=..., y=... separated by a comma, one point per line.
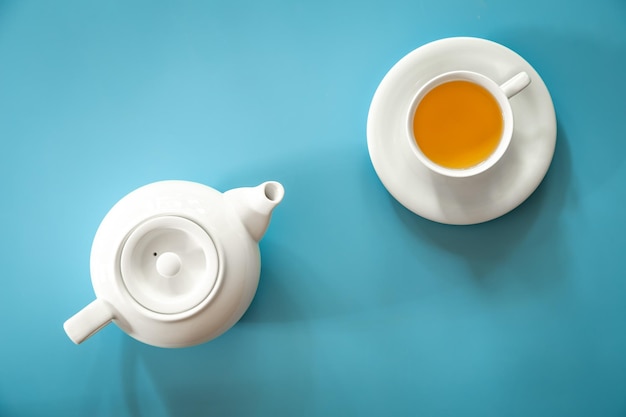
x=515, y=84
x=88, y=321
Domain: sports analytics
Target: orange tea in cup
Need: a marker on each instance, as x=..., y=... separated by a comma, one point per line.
x=458, y=124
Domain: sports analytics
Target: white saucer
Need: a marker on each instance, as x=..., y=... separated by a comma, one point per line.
x=461, y=200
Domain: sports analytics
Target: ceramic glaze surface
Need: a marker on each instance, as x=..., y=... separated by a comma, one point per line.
x=363, y=308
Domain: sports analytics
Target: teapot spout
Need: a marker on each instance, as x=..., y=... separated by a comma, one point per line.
x=254, y=205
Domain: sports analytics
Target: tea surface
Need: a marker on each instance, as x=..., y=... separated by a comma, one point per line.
x=458, y=124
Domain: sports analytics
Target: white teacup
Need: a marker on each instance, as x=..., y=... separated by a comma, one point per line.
x=443, y=120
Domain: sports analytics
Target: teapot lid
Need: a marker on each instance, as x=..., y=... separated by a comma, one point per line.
x=169, y=264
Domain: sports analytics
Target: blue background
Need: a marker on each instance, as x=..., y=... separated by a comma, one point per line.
x=364, y=309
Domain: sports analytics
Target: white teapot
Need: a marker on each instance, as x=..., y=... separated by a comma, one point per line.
x=176, y=263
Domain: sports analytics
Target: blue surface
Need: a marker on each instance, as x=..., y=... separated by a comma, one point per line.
x=364, y=309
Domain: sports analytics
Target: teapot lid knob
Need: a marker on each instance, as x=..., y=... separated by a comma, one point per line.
x=168, y=264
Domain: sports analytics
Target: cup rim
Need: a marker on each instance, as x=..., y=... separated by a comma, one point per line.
x=507, y=118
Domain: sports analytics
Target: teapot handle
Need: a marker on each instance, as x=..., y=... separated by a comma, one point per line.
x=88, y=321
